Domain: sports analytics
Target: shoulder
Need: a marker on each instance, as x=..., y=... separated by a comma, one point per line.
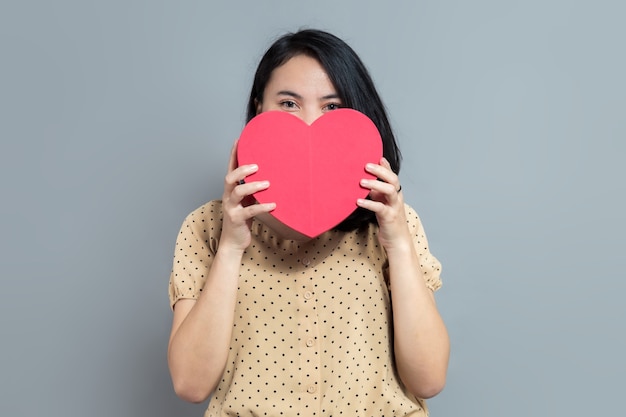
x=208, y=212
x=410, y=211
x=205, y=221
x=429, y=263
x=412, y=218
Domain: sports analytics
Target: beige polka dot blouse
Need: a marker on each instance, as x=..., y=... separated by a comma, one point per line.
x=312, y=331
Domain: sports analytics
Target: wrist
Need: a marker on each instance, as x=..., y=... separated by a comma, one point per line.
x=399, y=249
x=229, y=252
x=399, y=242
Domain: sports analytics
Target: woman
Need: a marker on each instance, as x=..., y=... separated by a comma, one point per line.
x=342, y=324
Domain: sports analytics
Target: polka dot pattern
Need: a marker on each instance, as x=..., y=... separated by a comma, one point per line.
x=311, y=335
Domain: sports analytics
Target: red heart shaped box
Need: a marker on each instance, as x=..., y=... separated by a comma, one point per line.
x=314, y=171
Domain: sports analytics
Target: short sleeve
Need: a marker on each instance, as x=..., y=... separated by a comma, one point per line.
x=194, y=252
x=431, y=267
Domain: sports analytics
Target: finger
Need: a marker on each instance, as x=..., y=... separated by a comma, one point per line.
x=379, y=186
x=372, y=205
x=383, y=172
x=237, y=175
x=242, y=195
x=256, y=209
x=385, y=163
x=247, y=189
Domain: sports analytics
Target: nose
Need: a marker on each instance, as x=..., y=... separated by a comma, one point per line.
x=309, y=116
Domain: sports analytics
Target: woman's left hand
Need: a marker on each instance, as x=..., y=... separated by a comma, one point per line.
x=421, y=343
x=387, y=202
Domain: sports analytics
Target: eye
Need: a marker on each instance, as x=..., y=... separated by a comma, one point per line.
x=332, y=106
x=288, y=104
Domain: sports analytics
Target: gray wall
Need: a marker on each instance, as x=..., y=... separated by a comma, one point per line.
x=116, y=121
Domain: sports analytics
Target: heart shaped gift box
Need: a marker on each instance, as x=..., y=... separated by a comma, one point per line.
x=314, y=171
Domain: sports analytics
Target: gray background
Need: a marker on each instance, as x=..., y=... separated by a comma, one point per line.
x=116, y=121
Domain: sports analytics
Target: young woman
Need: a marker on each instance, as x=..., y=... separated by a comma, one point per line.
x=342, y=324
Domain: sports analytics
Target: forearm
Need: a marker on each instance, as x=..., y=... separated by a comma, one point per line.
x=198, y=348
x=421, y=342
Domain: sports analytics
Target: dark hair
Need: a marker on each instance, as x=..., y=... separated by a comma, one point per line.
x=351, y=81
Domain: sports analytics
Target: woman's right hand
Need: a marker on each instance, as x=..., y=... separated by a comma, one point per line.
x=238, y=204
x=202, y=327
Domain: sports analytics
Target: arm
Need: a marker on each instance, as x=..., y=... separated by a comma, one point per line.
x=421, y=342
x=201, y=329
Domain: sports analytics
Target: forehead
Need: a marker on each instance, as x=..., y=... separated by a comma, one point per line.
x=302, y=73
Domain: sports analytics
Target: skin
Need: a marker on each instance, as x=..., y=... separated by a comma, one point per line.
x=201, y=329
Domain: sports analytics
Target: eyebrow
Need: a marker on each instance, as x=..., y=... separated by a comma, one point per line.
x=299, y=97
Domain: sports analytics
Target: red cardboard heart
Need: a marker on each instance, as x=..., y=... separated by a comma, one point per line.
x=314, y=171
